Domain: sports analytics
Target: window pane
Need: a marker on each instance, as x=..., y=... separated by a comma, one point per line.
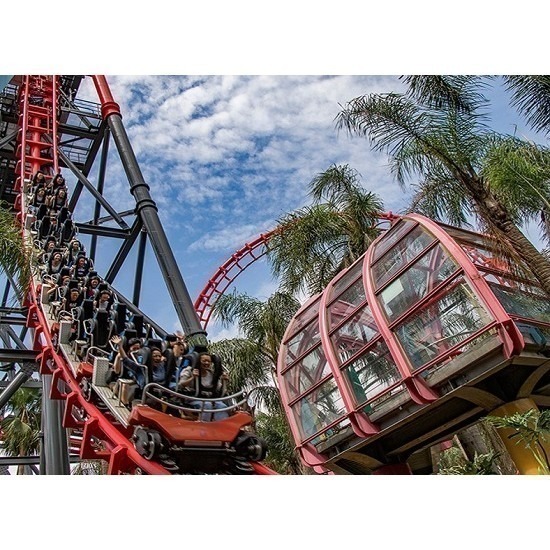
x=305, y=316
x=302, y=341
x=354, y=334
x=413, y=285
x=307, y=372
x=442, y=324
x=523, y=300
x=318, y=409
x=372, y=373
x=353, y=273
x=401, y=254
x=391, y=237
x=346, y=303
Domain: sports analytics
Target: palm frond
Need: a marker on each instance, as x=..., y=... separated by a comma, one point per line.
x=318, y=241
x=244, y=361
x=16, y=257
x=531, y=97
x=298, y=251
x=281, y=456
x=334, y=184
x=456, y=92
x=416, y=139
x=441, y=198
x=518, y=173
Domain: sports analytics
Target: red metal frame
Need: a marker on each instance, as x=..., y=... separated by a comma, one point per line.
x=418, y=389
x=228, y=272
x=101, y=439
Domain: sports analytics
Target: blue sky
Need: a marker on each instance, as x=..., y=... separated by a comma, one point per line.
x=226, y=156
x=286, y=38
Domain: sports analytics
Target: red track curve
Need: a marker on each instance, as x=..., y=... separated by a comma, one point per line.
x=97, y=434
x=228, y=272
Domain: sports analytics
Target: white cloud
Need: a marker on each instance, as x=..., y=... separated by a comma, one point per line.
x=226, y=156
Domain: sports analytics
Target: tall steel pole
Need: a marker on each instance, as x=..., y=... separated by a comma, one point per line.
x=56, y=445
x=147, y=209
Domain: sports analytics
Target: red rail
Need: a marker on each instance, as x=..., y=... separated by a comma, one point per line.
x=228, y=272
x=92, y=430
x=93, y=433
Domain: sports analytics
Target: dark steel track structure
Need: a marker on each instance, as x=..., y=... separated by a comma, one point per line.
x=45, y=126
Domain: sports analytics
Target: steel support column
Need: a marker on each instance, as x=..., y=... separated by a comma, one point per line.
x=56, y=445
x=100, y=185
x=146, y=208
x=139, y=267
x=20, y=378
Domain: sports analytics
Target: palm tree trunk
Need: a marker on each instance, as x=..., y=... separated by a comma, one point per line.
x=536, y=262
x=524, y=249
x=495, y=213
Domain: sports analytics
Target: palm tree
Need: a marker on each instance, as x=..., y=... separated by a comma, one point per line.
x=20, y=428
x=437, y=131
x=531, y=97
x=15, y=252
x=532, y=430
x=315, y=243
x=252, y=364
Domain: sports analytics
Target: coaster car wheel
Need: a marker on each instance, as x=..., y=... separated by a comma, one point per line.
x=148, y=443
x=86, y=389
x=251, y=447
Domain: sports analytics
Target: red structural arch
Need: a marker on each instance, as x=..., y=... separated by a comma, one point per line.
x=236, y=264
x=228, y=272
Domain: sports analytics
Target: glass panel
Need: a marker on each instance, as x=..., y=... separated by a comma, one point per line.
x=306, y=315
x=312, y=368
x=465, y=237
x=346, y=304
x=353, y=273
x=485, y=258
x=372, y=373
x=318, y=409
x=523, y=300
x=391, y=237
x=441, y=324
x=413, y=285
x=302, y=341
x=401, y=254
x=327, y=440
x=354, y=334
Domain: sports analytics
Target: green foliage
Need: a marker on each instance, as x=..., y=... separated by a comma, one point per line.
x=453, y=462
x=261, y=322
x=315, y=243
x=518, y=173
x=530, y=428
x=22, y=424
x=282, y=458
x=446, y=91
x=531, y=97
x=437, y=138
x=15, y=254
x=251, y=362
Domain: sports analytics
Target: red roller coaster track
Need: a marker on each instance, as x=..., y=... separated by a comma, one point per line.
x=95, y=431
x=228, y=272
x=236, y=264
